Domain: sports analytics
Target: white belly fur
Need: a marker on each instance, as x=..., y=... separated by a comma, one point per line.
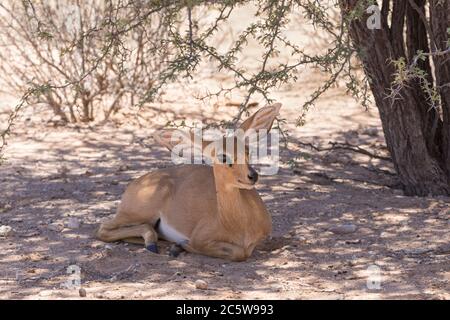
x=169, y=233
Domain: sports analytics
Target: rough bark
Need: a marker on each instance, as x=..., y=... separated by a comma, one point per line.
x=440, y=22
x=417, y=39
x=416, y=150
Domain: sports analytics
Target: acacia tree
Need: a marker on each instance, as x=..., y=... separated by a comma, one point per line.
x=405, y=63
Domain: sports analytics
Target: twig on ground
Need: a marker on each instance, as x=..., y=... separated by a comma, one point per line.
x=342, y=180
x=345, y=146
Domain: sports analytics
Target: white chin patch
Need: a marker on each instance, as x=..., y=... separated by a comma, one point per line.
x=169, y=233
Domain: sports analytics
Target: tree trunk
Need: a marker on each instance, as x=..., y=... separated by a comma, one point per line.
x=417, y=138
x=440, y=23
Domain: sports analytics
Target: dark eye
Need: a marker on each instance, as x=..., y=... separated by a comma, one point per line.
x=225, y=159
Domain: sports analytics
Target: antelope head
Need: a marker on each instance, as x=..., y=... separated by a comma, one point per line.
x=229, y=155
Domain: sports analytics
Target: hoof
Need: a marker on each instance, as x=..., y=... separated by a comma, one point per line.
x=152, y=247
x=175, y=250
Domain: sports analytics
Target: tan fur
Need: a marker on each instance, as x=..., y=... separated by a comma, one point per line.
x=216, y=207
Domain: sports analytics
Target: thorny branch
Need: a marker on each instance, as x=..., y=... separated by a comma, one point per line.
x=406, y=73
x=179, y=51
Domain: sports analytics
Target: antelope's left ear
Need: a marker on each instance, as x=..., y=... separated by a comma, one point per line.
x=262, y=119
x=169, y=138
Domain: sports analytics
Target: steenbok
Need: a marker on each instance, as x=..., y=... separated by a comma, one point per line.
x=211, y=210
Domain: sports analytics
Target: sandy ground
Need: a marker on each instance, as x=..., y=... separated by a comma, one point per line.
x=56, y=177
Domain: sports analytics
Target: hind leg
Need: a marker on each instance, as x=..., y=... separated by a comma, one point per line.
x=110, y=231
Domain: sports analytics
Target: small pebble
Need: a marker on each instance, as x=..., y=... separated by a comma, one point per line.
x=57, y=227
x=343, y=228
x=82, y=292
x=5, y=231
x=201, y=285
x=277, y=288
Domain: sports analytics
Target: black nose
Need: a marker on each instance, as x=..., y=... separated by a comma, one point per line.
x=253, y=175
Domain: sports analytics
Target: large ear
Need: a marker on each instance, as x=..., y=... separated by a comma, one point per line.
x=176, y=140
x=262, y=119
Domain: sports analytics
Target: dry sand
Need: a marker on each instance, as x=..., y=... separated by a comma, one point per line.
x=55, y=174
